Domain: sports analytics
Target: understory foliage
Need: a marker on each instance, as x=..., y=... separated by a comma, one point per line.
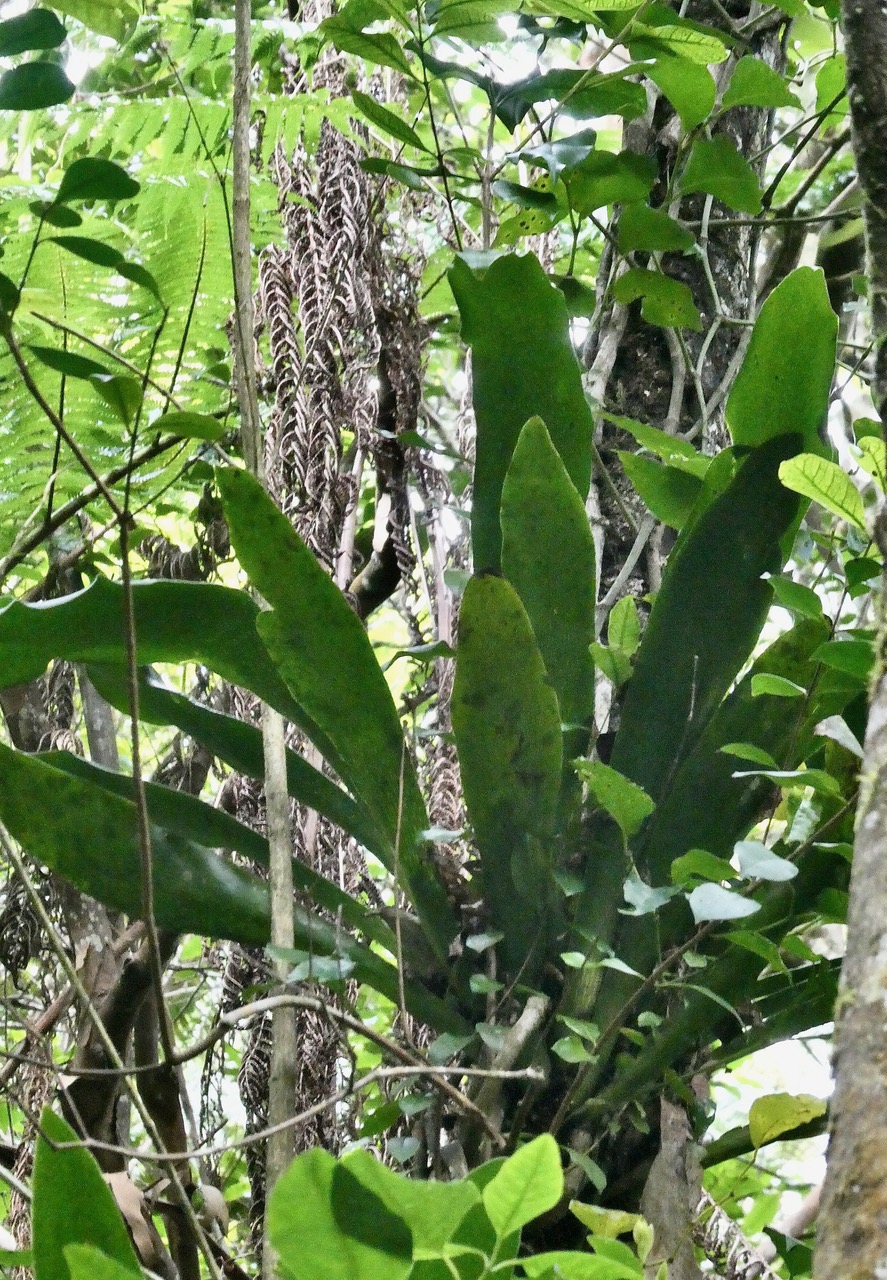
x=560, y=576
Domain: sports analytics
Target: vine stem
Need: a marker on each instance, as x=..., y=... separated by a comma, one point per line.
x=284, y=1045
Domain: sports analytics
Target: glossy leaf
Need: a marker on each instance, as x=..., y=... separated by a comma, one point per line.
x=37, y=29
x=34, y=85
x=524, y=366
x=732, y=543
x=774, y=392
x=718, y=169
x=507, y=724
x=324, y=654
x=548, y=556
x=72, y=1205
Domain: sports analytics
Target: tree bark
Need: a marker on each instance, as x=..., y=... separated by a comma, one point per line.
x=852, y=1233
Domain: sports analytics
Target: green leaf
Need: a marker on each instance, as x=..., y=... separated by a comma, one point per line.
x=112, y=18
x=33, y=86
x=140, y=276
x=754, y=84
x=722, y=557
x=239, y=745
x=855, y=657
x=827, y=483
x=748, y=751
x=643, y=898
x=37, y=29
x=651, y=231
x=548, y=556
x=624, y=626
x=582, y=96
x=386, y=120
x=72, y=1204
x=817, y=779
x=669, y=448
x=86, y=1262
x=688, y=86
x=474, y=21
x=175, y=622
x=607, y=1223
x=122, y=393
x=776, y=686
x=604, y=178
x=712, y=902
x=668, y=492
x=56, y=215
x=780, y=1113
x=563, y=155
x=666, y=302
x=757, y=862
x=718, y=169
x=380, y=47
x=796, y=597
x=95, y=251
x=524, y=365
x=627, y=804
x=873, y=458
x=324, y=654
x=612, y=663
x=69, y=363
x=191, y=426
x=662, y=32
x=195, y=891
x=507, y=725
x=702, y=864
x=92, y=178
x=528, y=1184
x=433, y=1210
x=324, y=1225
x=774, y=392
x=571, y=1049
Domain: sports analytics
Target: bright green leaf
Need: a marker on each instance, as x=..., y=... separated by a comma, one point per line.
x=627, y=804
x=825, y=482
x=386, y=120
x=548, y=556
x=72, y=1205
x=669, y=493
x=528, y=1184
x=666, y=301
x=779, y=1113
x=755, y=84
x=651, y=231
x=718, y=169
x=775, y=393
x=688, y=86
